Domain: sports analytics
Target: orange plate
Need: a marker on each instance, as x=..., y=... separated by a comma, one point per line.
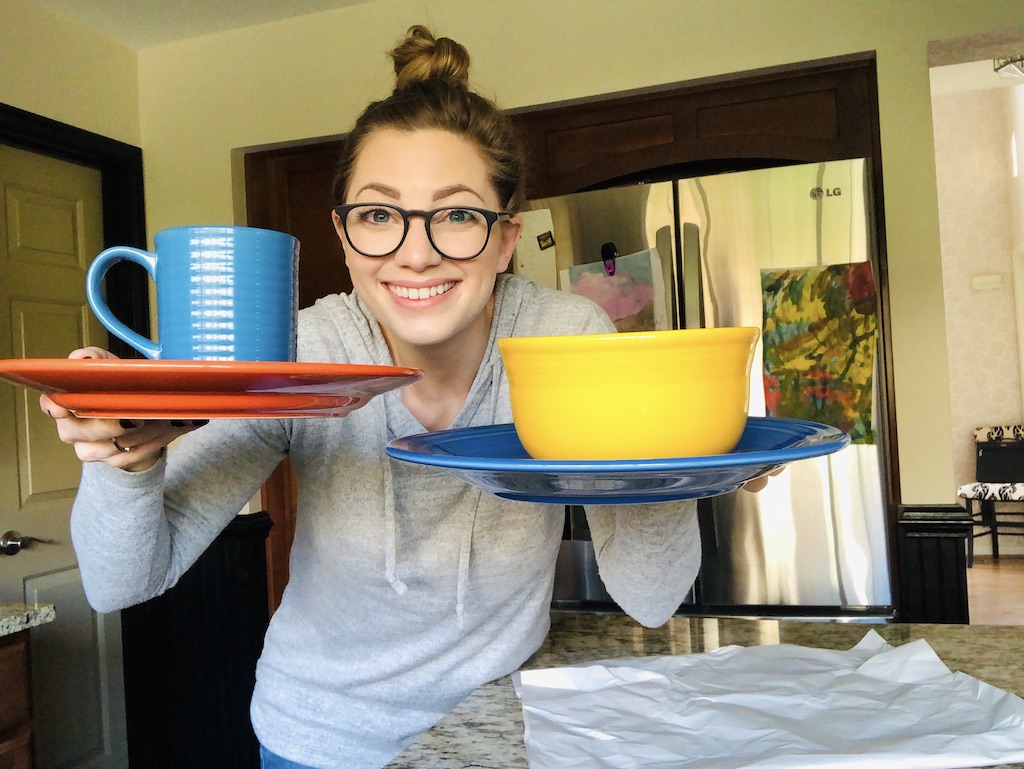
x=166, y=389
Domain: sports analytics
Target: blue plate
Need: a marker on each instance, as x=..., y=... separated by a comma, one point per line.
x=492, y=458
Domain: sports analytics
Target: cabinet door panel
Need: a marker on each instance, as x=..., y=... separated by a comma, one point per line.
x=16, y=752
x=14, y=705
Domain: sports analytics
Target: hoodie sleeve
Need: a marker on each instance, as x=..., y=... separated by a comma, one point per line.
x=135, y=534
x=647, y=555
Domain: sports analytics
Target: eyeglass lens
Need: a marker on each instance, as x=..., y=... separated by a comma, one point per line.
x=377, y=230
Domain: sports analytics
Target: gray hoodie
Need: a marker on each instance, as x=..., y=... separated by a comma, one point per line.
x=408, y=588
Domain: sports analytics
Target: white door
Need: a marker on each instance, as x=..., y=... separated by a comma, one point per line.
x=50, y=228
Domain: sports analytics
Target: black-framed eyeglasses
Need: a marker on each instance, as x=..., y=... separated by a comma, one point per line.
x=455, y=232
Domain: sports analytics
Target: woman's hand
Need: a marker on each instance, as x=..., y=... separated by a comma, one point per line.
x=126, y=444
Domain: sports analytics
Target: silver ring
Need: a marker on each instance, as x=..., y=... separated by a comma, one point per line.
x=119, y=447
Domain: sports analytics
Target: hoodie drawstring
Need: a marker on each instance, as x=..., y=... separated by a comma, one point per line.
x=467, y=541
x=493, y=376
x=390, y=524
x=391, y=534
x=464, y=552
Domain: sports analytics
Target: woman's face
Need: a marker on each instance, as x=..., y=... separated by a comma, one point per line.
x=426, y=169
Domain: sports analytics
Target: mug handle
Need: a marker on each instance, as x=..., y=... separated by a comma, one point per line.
x=94, y=294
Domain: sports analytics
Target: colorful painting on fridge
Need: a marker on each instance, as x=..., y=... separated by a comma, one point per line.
x=820, y=340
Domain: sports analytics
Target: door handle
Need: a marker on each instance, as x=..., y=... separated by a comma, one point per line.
x=12, y=542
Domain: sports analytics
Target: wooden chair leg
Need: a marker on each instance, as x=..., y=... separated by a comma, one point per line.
x=988, y=514
x=970, y=540
x=970, y=535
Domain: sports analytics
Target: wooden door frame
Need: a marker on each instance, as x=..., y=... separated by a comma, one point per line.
x=124, y=210
x=732, y=122
x=121, y=194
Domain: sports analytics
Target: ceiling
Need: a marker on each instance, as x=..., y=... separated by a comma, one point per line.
x=144, y=23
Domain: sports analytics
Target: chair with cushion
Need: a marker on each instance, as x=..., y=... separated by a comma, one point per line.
x=999, y=478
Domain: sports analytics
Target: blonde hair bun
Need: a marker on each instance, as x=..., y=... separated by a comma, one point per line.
x=421, y=56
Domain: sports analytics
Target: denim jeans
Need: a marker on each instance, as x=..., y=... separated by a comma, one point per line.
x=270, y=760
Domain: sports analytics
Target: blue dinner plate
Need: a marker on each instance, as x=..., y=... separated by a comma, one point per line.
x=493, y=458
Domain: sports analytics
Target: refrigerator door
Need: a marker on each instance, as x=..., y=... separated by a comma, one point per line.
x=813, y=543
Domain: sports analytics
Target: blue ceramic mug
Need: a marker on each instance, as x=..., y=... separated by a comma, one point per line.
x=222, y=293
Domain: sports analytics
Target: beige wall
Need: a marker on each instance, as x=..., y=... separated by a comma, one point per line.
x=977, y=213
x=201, y=100
x=68, y=73
x=978, y=210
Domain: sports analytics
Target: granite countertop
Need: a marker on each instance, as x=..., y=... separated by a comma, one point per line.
x=15, y=617
x=485, y=730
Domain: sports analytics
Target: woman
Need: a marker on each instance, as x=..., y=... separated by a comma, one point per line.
x=408, y=588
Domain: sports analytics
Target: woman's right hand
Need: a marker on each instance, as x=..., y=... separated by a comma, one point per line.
x=132, y=445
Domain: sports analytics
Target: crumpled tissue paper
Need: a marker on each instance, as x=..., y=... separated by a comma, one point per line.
x=769, y=706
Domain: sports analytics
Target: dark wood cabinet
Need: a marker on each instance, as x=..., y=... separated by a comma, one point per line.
x=16, y=753
x=15, y=703
x=808, y=112
x=190, y=658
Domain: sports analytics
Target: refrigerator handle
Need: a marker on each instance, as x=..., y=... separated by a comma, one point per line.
x=692, y=289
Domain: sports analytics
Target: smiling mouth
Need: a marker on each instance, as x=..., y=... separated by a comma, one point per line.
x=405, y=292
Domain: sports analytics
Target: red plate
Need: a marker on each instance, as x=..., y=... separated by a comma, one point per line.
x=168, y=389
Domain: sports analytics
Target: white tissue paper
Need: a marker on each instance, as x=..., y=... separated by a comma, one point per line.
x=769, y=706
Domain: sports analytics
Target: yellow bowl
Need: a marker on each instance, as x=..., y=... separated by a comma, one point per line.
x=644, y=395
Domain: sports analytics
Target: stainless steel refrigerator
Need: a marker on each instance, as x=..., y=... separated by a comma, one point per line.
x=700, y=252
